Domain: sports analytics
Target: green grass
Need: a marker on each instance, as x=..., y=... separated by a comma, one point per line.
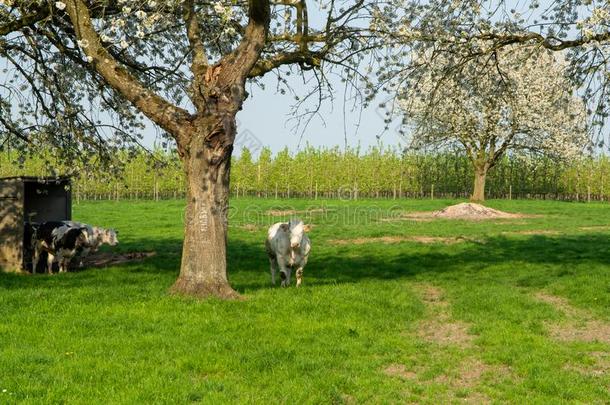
x=114, y=335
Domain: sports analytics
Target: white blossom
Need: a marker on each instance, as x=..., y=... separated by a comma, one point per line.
x=60, y=5
x=524, y=101
x=219, y=8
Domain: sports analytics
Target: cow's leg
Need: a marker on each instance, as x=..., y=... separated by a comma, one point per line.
x=81, y=257
x=284, y=271
x=300, y=271
x=64, y=262
x=50, y=259
x=288, y=272
x=273, y=265
x=35, y=258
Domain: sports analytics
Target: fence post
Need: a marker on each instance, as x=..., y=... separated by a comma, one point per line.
x=432, y=192
x=510, y=191
x=588, y=194
x=316, y=197
x=276, y=191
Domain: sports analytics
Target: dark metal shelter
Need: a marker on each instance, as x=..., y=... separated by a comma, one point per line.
x=29, y=199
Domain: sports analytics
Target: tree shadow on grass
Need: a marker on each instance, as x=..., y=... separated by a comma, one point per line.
x=468, y=261
x=249, y=266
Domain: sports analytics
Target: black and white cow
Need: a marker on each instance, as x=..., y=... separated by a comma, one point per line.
x=58, y=240
x=96, y=237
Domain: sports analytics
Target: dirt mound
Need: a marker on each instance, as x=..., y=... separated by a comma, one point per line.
x=105, y=259
x=472, y=211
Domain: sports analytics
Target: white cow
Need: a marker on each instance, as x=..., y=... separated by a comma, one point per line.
x=288, y=247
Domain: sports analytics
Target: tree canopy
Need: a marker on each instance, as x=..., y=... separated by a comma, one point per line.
x=464, y=30
x=81, y=75
x=517, y=98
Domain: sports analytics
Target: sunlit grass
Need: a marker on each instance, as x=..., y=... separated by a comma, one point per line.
x=114, y=335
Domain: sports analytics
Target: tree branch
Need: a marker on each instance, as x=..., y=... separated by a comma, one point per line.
x=173, y=119
x=199, y=64
x=36, y=15
x=266, y=65
x=552, y=43
x=238, y=64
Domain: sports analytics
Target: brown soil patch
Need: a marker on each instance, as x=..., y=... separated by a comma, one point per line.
x=589, y=331
x=105, y=259
x=454, y=333
x=512, y=222
x=533, y=232
x=434, y=294
x=281, y=213
x=599, y=367
x=424, y=216
x=595, y=228
x=441, y=329
x=580, y=325
x=468, y=375
x=249, y=227
x=348, y=399
x=561, y=304
x=398, y=239
x=399, y=370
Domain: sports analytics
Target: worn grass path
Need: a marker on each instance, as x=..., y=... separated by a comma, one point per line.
x=414, y=312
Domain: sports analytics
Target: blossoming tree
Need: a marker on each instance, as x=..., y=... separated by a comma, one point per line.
x=82, y=73
x=517, y=98
x=463, y=30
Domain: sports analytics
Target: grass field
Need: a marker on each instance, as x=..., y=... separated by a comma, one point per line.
x=396, y=311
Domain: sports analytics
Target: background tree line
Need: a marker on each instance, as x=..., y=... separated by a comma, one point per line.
x=382, y=172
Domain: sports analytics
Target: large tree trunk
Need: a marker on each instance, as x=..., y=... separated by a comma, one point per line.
x=207, y=162
x=478, y=194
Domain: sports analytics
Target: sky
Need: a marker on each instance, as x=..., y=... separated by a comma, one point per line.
x=266, y=120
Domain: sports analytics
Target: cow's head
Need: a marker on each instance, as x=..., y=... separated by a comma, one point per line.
x=84, y=236
x=110, y=237
x=297, y=228
x=106, y=236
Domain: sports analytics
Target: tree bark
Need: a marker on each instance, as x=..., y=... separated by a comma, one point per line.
x=478, y=194
x=207, y=163
x=204, y=139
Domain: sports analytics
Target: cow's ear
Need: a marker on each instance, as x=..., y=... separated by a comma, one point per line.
x=285, y=227
x=307, y=227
